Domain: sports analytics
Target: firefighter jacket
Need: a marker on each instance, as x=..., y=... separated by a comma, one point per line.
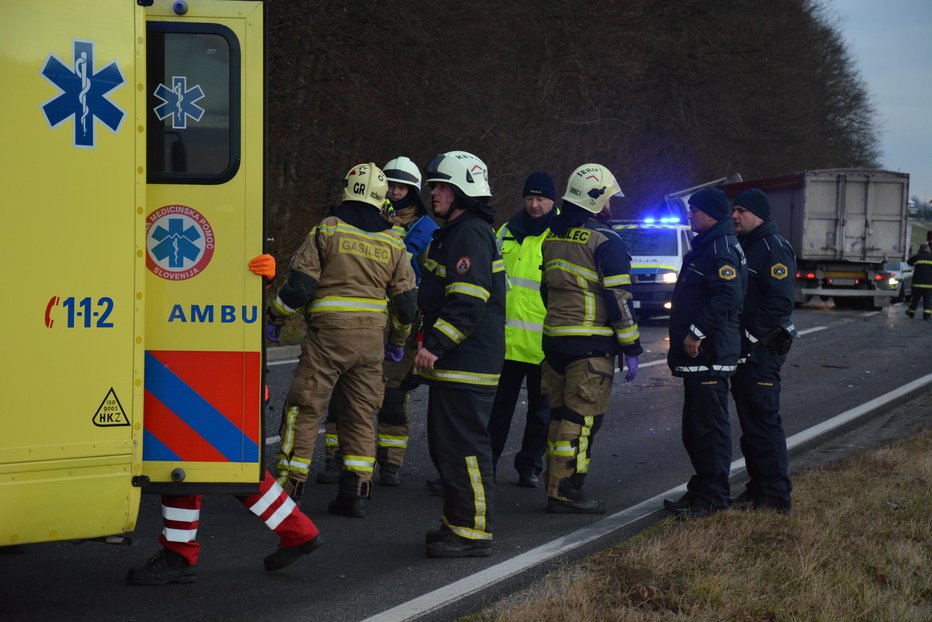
x=922, y=269
x=462, y=299
x=416, y=236
x=349, y=273
x=520, y=241
x=771, y=286
x=586, y=288
x=707, y=302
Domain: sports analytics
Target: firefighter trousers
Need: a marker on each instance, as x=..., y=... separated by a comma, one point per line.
x=756, y=390
x=579, y=391
x=328, y=357
x=707, y=438
x=458, y=440
x=181, y=517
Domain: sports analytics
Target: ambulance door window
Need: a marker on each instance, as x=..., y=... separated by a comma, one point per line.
x=193, y=103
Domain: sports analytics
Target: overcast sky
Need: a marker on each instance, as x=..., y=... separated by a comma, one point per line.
x=891, y=41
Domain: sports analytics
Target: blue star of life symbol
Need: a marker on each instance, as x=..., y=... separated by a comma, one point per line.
x=176, y=243
x=83, y=93
x=179, y=102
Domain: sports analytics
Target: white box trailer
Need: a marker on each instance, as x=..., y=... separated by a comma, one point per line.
x=844, y=224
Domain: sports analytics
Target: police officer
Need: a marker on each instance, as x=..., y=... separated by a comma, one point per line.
x=462, y=298
x=705, y=342
x=520, y=241
x=410, y=220
x=586, y=288
x=347, y=268
x=922, y=282
x=766, y=325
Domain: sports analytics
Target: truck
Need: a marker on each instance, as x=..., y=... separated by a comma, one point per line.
x=845, y=226
x=133, y=181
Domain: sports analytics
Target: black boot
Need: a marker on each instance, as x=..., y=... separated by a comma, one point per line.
x=352, y=496
x=162, y=568
x=285, y=556
x=331, y=472
x=389, y=475
x=585, y=506
x=451, y=545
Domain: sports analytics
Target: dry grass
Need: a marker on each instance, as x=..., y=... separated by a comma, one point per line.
x=857, y=547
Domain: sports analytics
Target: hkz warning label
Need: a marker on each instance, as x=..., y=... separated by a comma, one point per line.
x=110, y=412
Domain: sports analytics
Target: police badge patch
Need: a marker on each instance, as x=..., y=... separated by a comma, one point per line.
x=727, y=272
x=463, y=264
x=778, y=271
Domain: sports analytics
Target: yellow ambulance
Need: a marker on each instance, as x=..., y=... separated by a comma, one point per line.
x=131, y=332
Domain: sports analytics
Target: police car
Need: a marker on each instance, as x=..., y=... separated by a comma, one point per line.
x=657, y=247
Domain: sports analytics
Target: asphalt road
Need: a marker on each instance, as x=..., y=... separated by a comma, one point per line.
x=367, y=566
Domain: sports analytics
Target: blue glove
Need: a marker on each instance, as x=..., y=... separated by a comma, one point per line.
x=273, y=332
x=631, y=362
x=394, y=353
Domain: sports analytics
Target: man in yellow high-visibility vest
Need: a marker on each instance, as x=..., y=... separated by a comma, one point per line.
x=520, y=241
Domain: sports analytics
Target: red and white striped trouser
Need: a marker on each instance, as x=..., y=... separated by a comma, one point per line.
x=181, y=517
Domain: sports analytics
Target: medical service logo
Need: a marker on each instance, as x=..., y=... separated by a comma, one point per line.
x=83, y=93
x=180, y=102
x=179, y=242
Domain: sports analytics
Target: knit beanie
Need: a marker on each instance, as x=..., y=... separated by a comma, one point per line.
x=756, y=202
x=713, y=202
x=540, y=184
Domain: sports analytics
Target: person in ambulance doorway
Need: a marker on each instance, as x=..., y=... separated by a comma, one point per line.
x=922, y=282
x=519, y=241
x=176, y=562
x=410, y=220
x=586, y=288
x=767, y=327
x=705, y=342
x=353, y=278
x=462, y=298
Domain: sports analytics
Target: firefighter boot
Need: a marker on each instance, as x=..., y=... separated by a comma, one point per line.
x=389, y=474
x=352, y=495
x=572, y=500
x=162, y=568
x=334, y=457
x=451, y=545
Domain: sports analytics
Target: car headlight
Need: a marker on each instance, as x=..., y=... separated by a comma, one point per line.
x=668, y=277
x=893, y=281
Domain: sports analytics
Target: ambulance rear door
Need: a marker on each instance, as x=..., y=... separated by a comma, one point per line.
x=71, y=323
x=203, y=383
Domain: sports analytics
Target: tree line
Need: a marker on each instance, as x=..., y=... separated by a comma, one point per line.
x=666, y=94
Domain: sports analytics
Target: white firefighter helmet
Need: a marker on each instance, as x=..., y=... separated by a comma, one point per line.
x=591, y=186
x=366, y=183
x=402, y=170
x=462, y=170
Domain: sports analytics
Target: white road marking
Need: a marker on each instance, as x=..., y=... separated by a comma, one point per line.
x=441, y=597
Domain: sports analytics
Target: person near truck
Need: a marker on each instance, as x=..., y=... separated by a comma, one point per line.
x=409, y=219
x=922, y=282
x=176, y=561
x=353, y=277
x=705, y=343
x=586, y=289
x=766, y=324
x=462, y=299
x=520, y=241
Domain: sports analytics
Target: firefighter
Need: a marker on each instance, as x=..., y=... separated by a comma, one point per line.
x=767, y=311
x=586, y=288
x=922, y=282
x=705, y=342
x=410, y=220
x=462, y=298
x=519, y=241
x=177, y=560
x=348, y=268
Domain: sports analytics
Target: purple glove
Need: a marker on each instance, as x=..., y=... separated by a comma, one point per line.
x=273, y=332
x=394, y=353
x=631, y=362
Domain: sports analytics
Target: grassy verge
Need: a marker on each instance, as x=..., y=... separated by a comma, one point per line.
x=857, y=547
